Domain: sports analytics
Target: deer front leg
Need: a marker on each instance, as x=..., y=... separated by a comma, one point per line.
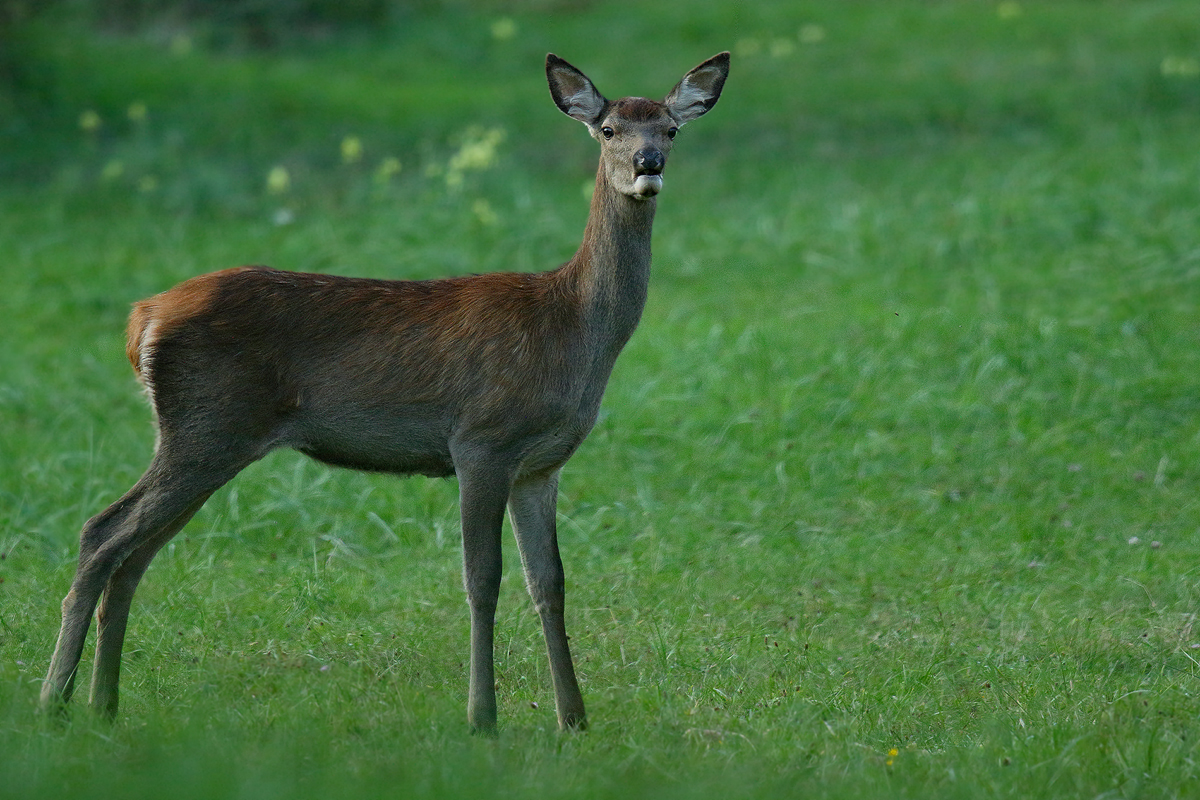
x=482, y=497
x=533, y=504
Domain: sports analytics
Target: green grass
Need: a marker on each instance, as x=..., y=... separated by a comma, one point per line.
x=904, y=456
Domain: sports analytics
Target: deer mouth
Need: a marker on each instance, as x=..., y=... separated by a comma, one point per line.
x=647, y=185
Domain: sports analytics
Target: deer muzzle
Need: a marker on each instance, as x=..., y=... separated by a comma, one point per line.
x=647, y=167
x=648, y=162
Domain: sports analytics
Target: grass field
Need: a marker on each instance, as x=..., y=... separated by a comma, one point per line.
x=893, y=494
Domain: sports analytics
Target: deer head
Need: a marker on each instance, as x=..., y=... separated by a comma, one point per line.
x=635, y=133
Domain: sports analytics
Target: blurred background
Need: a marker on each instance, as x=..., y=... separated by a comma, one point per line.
x=195, y=103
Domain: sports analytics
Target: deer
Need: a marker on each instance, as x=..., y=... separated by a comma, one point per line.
x=494, y=379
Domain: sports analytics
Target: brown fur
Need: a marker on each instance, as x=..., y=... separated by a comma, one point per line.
x=636, y=109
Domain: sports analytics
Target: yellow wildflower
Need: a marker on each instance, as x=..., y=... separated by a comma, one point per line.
x=812, y=34
x=1009, y=10
x=388, y=168
x=90, y=121
x=477, y=153
x=484, y=213
x=278, y=180
x=351, y=149
x=1180, y=67
x=504, y=29
x=747, y=47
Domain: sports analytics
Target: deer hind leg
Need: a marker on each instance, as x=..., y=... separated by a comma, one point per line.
x=532, y=504
x=113, y=614
x=115, y=547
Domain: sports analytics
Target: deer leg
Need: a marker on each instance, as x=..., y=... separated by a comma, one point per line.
x=80, y=602
x=482, y=496
x=104, y=543
x=113, y=615
x=148, y=515
x=532, y=505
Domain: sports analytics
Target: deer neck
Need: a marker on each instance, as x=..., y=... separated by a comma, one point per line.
x=611, y=269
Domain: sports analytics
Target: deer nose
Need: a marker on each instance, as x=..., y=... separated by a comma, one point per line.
x=648, y=162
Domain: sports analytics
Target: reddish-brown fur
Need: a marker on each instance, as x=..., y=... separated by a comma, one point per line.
x=495, y=379
x=187, y=300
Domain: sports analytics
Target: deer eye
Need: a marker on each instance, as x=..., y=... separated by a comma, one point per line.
x=671, y=132
x=608, y=132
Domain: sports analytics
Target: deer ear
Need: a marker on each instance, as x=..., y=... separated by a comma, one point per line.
x=573, y=92
x=699, y=90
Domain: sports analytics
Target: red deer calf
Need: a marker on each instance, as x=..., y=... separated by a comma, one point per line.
x=495, y=379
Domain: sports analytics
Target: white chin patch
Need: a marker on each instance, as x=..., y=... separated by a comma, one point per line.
x=647, y=185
